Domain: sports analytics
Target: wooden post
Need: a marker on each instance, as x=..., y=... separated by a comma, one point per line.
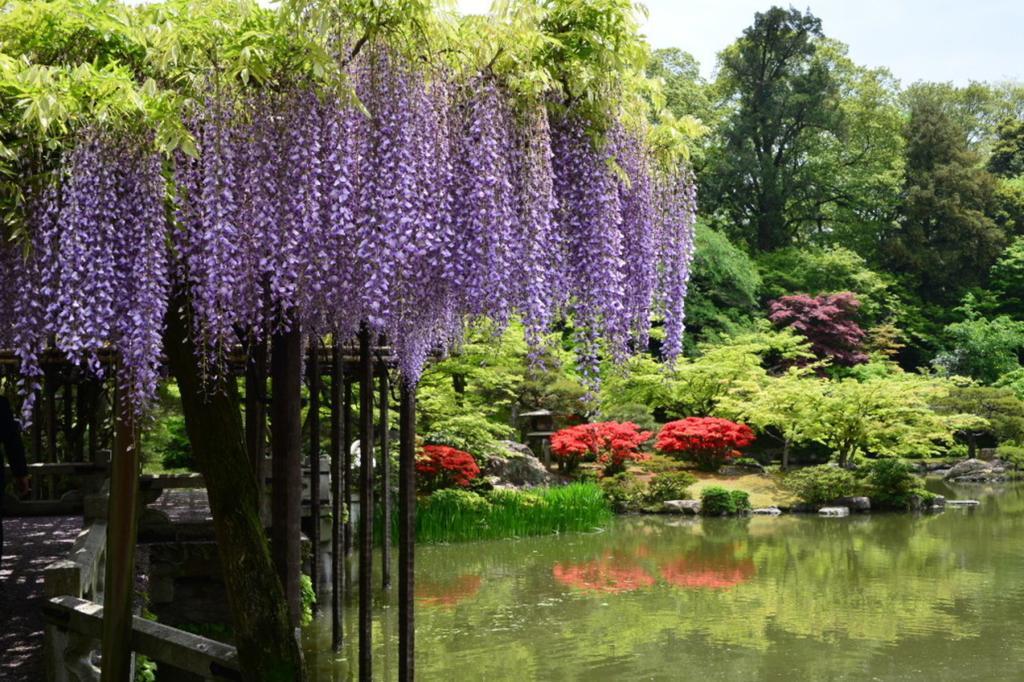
x=385, y=482
x=337, y=507
x=366, y=509
x=256, y=409
x=346, y=459
x=314, y=462
x=286, y=449
x=122, y=527
x=407, y=534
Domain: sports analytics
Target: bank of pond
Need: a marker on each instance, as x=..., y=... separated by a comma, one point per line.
x=483, y=512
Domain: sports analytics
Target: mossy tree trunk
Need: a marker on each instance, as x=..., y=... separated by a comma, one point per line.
x=267, y=647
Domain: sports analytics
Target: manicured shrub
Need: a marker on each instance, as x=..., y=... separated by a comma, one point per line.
x=623, y=492
x=821, y=484
x=892, y=484
x=717, y=501
x=440, y=466
x=741, y=500
x=707, y=441
x=669, y=486
x=610, y=443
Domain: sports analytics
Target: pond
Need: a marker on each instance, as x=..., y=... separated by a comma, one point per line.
x=873, y=597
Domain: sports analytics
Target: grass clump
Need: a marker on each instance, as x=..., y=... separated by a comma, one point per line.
x=461, y=515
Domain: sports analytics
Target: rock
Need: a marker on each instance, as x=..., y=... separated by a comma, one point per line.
x=941, y=473
x=804, y=508
x=517, y=468
x=977, y=471
x=687, y=507
x=834, y=511
x=937, y=505
x=967, y=467
x=857, y=505
x=766, y=511
x=962, y=503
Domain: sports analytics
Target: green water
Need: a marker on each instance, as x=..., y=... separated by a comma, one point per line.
x=880, y=597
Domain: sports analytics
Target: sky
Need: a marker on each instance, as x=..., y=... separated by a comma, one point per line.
x=934, y=40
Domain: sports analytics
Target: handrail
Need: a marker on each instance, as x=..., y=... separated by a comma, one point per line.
x=207, y=658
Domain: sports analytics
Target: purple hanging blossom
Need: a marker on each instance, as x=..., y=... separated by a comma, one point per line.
x=677, y=213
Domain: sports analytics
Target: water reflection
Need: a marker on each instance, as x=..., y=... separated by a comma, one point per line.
x=612, y=574
x=887, y=597
x=438, y=591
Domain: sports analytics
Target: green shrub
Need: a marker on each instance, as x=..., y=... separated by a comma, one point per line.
x=821, y=484
x=669, y=486
x=1011, y=454
x=746, y=462
x=741, y=501
x=308, y=598
x=623, y=492
x=717, y=501
x=174, y=443
x=892, y=483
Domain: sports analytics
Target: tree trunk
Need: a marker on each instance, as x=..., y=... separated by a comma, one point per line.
x=267, y=648
x=785, y=455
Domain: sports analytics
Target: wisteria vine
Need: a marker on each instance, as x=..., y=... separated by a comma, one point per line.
x=434, y=202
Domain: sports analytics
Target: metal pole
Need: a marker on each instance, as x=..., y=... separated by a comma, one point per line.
x=365, y=506
x=122, y=528
x=385, y=482
x=337, y=507
x=407, y=534
x=314, y=462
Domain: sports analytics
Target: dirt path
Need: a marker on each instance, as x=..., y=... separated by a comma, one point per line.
x=30, y=544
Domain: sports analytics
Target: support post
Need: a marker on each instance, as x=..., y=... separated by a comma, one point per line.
x=286, y=448
x=385, y=482
x=337, y=507
x=122, y=527
x=346, y=459
x=366, y=508
x=256, y=408
x=314, y=462
x=407, y=534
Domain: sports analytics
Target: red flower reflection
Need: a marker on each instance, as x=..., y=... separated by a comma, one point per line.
x=708, y=574
x=447, y=593
x=612, y=575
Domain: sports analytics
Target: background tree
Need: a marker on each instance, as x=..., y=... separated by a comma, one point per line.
x=826, y=321
x=781, y=96
x=946, y=206
x=723, y=295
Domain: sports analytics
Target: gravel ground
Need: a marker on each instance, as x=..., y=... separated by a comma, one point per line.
x=30, y=544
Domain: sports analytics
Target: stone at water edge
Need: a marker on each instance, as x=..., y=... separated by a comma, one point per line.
x=834, y=511
x=688, y=507
x=517, y=468
x=766, y=511
x=859, y=504
x=962, y=503
x=966, y=467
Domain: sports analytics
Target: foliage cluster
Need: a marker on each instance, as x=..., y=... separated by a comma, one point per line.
x=456, y=515
x=609, y=443
x=440, y=466
x=707, y=441
x=718, y=501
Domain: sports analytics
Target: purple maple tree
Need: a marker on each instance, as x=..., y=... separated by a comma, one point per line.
x=826, y=321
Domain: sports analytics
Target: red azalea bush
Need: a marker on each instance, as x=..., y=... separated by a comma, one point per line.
x=610, y=443
x=440, y=466
x=708, y=441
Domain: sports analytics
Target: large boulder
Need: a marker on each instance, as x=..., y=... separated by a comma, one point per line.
x=859, y=504
x=516, y=467
x=977, y=471
x=687, y=507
